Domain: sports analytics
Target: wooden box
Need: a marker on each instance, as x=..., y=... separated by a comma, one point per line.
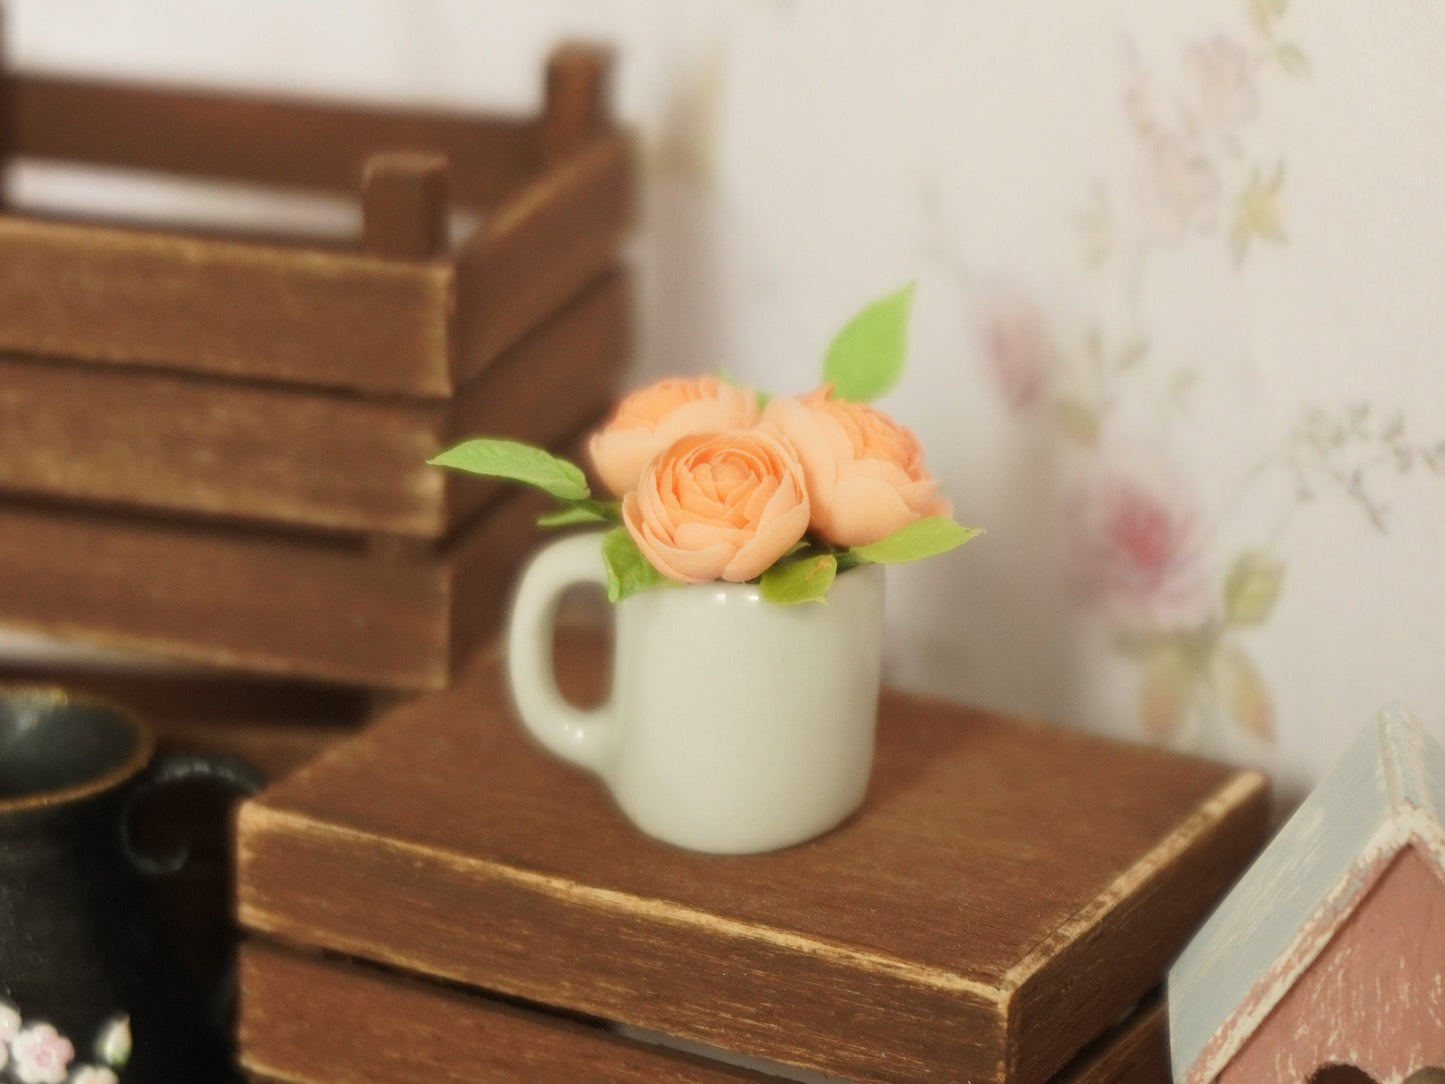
x=1006, y=895
x=213, y=446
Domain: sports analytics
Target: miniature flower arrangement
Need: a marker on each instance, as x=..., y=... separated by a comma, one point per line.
x=713, y=481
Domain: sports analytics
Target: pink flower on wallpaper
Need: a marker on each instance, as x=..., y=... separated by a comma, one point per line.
x=1135, y=540
x=1182, y=188
x=1221, y=77
x=1018, y=350
x=1179, y=185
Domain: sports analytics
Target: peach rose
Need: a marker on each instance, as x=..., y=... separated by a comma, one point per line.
x=653, y=418
x=865, y=472
x=718, y=506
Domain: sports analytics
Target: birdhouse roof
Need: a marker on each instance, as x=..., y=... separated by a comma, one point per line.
x=1386, y=792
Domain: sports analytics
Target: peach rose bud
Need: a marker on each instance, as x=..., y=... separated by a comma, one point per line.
x=718, y=506
x=865, y=472
x=653, y=418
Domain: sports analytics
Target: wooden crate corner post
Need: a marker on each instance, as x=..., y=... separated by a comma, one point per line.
x=578, y=97
x=404, y=204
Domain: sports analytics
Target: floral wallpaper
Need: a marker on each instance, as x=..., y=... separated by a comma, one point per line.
x=1145, y=551
x=1177, y=332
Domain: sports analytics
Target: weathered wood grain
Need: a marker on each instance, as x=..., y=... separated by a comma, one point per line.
x=300, y=1014
x=174, y=442
x=1330, y=949
x=256, y=601
x=897, y=948
x=539, y=247
x=138, y=297
x=1135, y=1051
x=261, y=138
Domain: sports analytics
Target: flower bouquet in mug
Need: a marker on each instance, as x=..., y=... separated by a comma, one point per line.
x=740, y=719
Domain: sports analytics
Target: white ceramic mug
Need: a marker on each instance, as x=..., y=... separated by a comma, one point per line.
x=734, y=724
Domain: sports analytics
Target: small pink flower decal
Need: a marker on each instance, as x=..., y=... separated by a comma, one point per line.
x=1018, y=350
x=42, y=1055
x=9, y=1028
x=1221, y=75
x=92, y=1074
x=1137, y=548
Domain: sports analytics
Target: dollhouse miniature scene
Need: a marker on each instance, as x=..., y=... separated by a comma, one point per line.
x=722, y=541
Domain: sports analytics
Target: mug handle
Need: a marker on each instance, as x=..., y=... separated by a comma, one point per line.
x=227, y=772
x=583, y=737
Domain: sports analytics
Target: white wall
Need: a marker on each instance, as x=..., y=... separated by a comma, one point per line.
x=1181, y=270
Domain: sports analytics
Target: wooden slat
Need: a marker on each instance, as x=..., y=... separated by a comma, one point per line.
x=254, y=601
x=301, y=1019
x=175, y=442
x=134, y=297
x=540, y=247
x=252, y=137
x=900, y=947
x=300, y=1014
x=1135, y=1051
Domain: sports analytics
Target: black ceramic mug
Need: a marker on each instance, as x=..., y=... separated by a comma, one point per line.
x=86, y=994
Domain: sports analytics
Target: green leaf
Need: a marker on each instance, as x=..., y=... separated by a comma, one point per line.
x=1244, y=691
x=922, y=538
x=866, y=357
x=581, y=512
x=1252, y=588
x=628, y=571
x=1293, y=61
x=803, y=580
x=516, y=462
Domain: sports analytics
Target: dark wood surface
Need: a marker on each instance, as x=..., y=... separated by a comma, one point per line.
x=301, y=1015
x=177, y=442
x=325, y=609
x=1007, y=891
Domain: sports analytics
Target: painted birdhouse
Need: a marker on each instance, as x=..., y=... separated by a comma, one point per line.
x=1326, y=963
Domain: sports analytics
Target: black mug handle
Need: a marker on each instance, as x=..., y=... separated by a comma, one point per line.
x=177, y=768
x=170, y=770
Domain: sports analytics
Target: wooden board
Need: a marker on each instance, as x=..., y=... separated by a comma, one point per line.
x=1007, y=891
x=300, y=1014
x=257, y=137
x=259, y=601
x=183, y=443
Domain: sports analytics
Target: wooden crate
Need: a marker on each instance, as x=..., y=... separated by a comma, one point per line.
x=403, y=312
x=213, y=447
x=1007, y=892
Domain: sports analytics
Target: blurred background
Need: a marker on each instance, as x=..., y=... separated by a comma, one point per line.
x=1177, y=336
